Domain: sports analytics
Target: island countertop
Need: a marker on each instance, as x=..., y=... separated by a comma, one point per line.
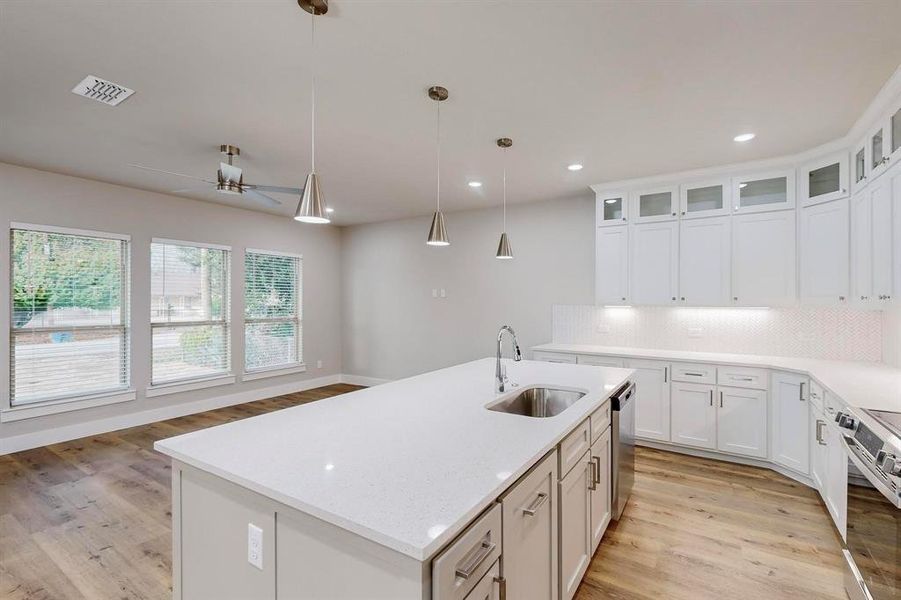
x=406, y=464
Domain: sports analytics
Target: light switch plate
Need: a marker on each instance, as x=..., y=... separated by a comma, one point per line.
x=255, y=546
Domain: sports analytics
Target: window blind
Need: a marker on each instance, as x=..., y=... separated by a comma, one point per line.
x=69, y=327
x=189, y=311
x=272, y=310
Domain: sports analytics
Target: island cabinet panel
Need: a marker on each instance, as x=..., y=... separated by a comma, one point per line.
x=488, y=587
x=601, y=494
x=530, y=513
x=575, y=525
x=790, y=418
x=652, y=391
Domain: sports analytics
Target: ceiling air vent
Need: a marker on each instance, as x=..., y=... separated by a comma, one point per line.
x=102, y=90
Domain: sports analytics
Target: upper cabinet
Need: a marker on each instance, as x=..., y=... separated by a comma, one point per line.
x=654, y=205
x=824, y=248
x=860, y=165
x=709, y=198
x=611, y=265
x=654, y=260
x=705, y=259
x=761, y=192
x=872, y=216
x=763, y=259
x=824, y=180
x=878, y=144
x=611, y=208
x=894, y=132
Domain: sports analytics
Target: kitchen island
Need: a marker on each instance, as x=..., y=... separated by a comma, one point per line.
x=393, y=491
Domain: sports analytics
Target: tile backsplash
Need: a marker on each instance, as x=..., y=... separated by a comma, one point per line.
x=815, y=332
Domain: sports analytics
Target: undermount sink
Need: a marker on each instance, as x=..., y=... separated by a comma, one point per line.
x=538, y=402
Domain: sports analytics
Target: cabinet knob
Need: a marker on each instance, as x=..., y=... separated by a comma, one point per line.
x=735, y=298
x=674, y=298
x=683, y=298
x=841, y=298
x=674, y=214
x=624, y=297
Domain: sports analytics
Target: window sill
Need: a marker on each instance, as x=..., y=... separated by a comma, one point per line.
x=274, y=372
x=177, y=387
x=18, y=413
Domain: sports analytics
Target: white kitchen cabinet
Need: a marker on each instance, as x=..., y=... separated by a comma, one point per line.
x=693, y=413
x=763, y=259
x=836, y=496
x=824, y=179
x=825, y=252
x=762, y=192
x=575, y=525
x=611, y=208
x=742, y=421
x=601, y=511
x=708, y=198
x=861, y=247
x=818, y=449
x=554, y=357
x=599, y=361
x=879, y=151
x=872, y=216
x=655, y=205
x=530, y=517
x=894, y=132
x=790, y=421
x=652, y=399
x=860, y=165
x=654, y=261
x=611, y=267
x=705, y=261
x=895, y=178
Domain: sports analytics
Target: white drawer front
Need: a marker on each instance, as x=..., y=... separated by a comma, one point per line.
x=574, y=446
x=694, y=373
x=555, y=357
x=600, y=421
x=746, y=377
x=459, y=568
x=600, y=361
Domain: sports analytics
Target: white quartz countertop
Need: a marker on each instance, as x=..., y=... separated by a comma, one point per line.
x=859, y=384
x=406, y=464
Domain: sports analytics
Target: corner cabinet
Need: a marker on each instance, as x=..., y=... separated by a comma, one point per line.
x=763, y=259
x=825, y=252
x=790, y=417
x=611, y=267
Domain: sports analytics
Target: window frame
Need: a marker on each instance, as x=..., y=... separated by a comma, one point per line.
x=297, y=366
x=200, y=381
x=9, y=411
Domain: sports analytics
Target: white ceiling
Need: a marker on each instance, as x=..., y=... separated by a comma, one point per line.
x=627, y=88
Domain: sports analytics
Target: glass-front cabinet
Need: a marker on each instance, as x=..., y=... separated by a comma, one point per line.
x=894, y=131
x=860, y=165
x=824, y=180
x=657, y=204
x=762, y=192
x=611, y=208
x=708, y=198
x=878, y=146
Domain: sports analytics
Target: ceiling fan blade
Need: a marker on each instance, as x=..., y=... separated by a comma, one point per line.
x=274, y=188
x=169, y=172
x=261, y=198
x=230, y=172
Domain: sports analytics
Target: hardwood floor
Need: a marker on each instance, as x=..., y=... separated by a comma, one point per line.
x=90, y=520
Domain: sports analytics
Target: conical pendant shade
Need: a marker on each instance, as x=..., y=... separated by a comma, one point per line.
x=311, y=209
x=437, y=232
x=504, y=250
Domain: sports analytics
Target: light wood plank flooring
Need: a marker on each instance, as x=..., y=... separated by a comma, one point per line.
x=90, y=520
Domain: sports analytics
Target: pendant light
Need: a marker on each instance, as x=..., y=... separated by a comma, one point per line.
x=504, y=250
x=311, y=208
x=437, y=232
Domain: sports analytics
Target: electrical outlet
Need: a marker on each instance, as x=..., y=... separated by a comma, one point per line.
x=318, y=364
x=434, y=292
x=443, y=293
x=255, y=546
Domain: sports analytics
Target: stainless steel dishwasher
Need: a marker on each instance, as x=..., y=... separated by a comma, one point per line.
x=622, y=446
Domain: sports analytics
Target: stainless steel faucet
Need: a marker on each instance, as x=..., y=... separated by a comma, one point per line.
x=500, y=372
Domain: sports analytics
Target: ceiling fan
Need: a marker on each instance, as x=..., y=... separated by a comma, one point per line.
x=230, y=180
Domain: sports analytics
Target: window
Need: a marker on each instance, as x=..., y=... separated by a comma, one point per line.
x=189, y=307
x=272, y=306
x=69, y=328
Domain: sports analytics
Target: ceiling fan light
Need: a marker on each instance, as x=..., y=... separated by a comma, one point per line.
x=437, y=232
x=504, y=249
x=311, y=208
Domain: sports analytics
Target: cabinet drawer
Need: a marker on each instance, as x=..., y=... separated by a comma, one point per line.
x=745, y=377
x=600, y=420
x=600, y=361
x=574, y=446
x=486, y=588
x=555, y=357
x=694, y=373
x=461, y=565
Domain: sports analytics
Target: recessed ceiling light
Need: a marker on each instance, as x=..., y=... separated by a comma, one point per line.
x=329, y=209
x=475, y=184
x=744, y=137
x=575, y=167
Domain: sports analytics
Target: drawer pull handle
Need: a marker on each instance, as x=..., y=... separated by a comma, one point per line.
x=734, y=378
x=694, y=374
x=536, y=504
x=478, y=558
x=592, y=476
x=501, y=588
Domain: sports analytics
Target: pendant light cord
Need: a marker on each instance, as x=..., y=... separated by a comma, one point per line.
x=438, y=143
x=505, y=190
x=313, y=92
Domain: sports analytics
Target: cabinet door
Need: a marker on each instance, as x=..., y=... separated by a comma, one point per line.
x=881, y=205
x=762, y=192
x=654, y=260
x=894, y=133
x=611, y=208
x=818, y=450
x=879, y=150
x=530, y=534
x=763, y=259
x=741, y=421
x=652, y=399
x=602, y=492
x=860, y=166
x=705, y=261
x=825, y=253
x=791, y=425
x=824, y=180
x=836, y=478
x=861, y=248
x=611, y=266
x=654, y=205
x=575, y=526
x=693, y=415
x=895, y=178
x=705, y=199
x=600, y=361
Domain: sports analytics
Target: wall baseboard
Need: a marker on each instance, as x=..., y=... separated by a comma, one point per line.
x=363, y=380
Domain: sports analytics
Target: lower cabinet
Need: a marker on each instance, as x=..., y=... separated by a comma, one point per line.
x=818, y=449
x=790, y=419
x=575, y=525
x=693, y=415
x=719, y=418
x=652, y=392
x=601, y=495
x=836, y=484
x=487, y=588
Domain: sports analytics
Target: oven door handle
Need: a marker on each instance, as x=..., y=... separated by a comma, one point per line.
x=868, y=472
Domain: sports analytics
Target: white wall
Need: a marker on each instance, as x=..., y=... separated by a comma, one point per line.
x=891, y=337
x=32, y=196
x=394, y=328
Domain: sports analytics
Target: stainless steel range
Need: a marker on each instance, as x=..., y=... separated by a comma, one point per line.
x=872, y=441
